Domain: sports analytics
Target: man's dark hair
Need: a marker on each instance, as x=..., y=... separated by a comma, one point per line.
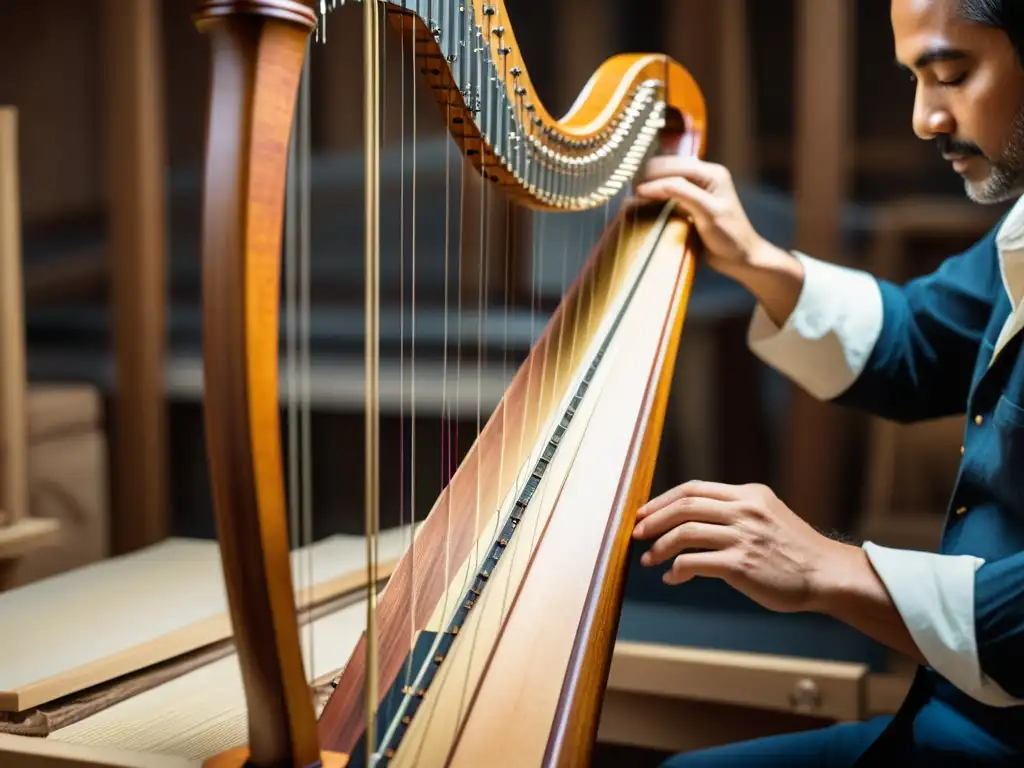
x=1007, y=15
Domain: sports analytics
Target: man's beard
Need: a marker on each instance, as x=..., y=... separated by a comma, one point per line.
x=1005, y=179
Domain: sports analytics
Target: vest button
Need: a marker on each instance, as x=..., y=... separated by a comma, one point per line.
x=961, y=510
x=962, y=449
x=979, y=420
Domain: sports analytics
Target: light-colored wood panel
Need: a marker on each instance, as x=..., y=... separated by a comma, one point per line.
x=682, y=725
x=56, y=410
x=763, y=681
x=203, y=713
x=28, y=752
x=525, y=678
x=26, y=535
x=131, y=612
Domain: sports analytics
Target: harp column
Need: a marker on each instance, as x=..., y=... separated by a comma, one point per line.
x=258, y=48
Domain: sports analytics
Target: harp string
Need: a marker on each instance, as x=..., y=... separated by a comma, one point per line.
x=466, y=691
x=371, y=106
x=381, y=70
x=412, y=398
x=402, y=504
x=446, y=449
x=571, y=236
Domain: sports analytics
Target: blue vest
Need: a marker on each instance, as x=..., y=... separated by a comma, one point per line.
x=932, y=360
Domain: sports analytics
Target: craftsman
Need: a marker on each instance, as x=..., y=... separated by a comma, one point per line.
x=947, y=343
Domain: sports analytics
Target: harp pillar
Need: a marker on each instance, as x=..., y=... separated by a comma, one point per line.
x=258, y=48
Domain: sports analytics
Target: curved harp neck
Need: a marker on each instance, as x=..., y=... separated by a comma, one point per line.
x=581, y=161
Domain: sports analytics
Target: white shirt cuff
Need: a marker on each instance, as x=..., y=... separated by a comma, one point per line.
x=827, y=339
x=934, y=595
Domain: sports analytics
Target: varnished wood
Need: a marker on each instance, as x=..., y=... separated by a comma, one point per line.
x=258, y=52
x=258, y=47
x=583, y=689
x=239, y=758
x=19, y=533
x=532, y=669
x=484, y=473
x=737, y=678
x=601, y=101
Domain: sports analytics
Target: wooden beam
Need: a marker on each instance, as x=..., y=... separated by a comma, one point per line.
x=811, y=475
x=13, y=421
x=136, y=168
x=711, y=41
x=736, y=120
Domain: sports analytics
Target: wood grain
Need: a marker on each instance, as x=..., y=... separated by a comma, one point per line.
x=258, y=48
x=459, y=516
x=601, y=102
x=450, y=699
x=520, y=695
x=577, y=718
x=31, y=752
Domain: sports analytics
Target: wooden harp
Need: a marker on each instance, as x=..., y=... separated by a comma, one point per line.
x=492, y=640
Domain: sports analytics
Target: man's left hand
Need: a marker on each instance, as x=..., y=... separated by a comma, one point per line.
x=741, y=534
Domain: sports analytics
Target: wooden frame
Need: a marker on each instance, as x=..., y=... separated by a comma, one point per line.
x=19, y=533
x=670, y=698
x=678, y=698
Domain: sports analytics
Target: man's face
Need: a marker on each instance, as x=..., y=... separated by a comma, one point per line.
x=970, y=94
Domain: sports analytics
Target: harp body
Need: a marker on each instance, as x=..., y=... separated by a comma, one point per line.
x=496, y=629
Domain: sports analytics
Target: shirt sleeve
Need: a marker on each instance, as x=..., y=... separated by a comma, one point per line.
x=828, y=338
x=999, y=621
x=951, y=607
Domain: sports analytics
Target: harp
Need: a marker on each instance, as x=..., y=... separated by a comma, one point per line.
x=492, y=639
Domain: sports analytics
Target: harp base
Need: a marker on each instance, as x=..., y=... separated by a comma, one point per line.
x=239, y=758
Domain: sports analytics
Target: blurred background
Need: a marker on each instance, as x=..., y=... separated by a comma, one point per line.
x=805, y=106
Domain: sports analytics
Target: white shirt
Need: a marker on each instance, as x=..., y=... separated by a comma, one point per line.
x=823, y=347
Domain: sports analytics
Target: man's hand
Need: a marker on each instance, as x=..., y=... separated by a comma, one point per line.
x=706, y=192
x=745, y=536
x=731, y=245
x=741, y=534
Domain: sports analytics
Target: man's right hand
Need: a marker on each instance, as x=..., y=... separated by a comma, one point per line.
x=732, y=246
x=706, y=192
